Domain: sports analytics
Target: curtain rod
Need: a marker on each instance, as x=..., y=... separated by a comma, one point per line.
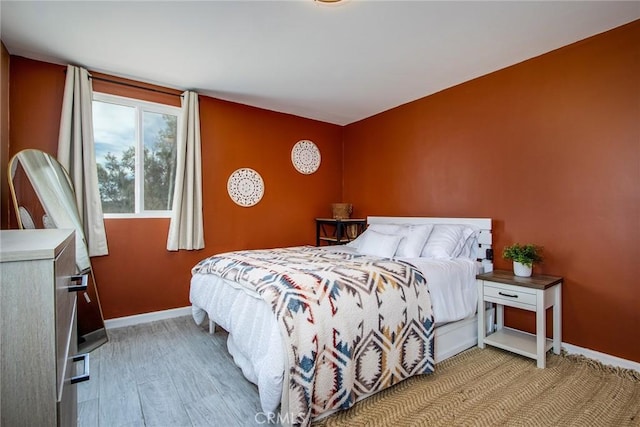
x=102, y=79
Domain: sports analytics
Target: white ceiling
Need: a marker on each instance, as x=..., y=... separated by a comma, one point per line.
x=338, y=64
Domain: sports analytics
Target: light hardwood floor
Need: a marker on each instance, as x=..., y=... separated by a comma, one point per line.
x=168, y=373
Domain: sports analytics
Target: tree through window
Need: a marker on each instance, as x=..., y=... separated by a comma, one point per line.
x=135, y=144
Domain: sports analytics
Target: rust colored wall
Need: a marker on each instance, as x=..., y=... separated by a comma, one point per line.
x=139, y=275
x=4, y=136
x=550, y=149
x=35, y=104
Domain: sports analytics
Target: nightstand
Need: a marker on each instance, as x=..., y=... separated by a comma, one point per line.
x=535, y=293
x=338, y=231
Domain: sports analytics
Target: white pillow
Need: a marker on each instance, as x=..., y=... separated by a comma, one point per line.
x=470, y=247
x=415, y=237
x=380, y=228
x=378, y=244
x=446, y=241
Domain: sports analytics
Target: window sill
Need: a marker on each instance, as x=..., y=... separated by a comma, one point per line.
x=137, y=215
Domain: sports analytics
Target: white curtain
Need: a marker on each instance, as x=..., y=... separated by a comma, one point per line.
x=186, y=229
x=76, y=153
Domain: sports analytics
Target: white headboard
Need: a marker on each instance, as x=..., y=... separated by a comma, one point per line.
x=485, y=253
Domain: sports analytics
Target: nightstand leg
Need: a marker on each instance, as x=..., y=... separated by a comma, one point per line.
x=481, y=314
x=557, y=319
x=499, y=316
x=541, y=333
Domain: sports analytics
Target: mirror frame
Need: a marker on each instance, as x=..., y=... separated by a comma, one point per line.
x=55, y=194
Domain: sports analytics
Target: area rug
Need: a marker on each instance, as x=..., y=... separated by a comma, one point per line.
x=492, y=387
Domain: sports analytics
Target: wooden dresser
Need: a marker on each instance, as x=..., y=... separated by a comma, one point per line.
x=38, y=328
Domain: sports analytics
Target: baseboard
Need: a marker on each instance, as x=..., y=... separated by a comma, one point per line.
x=604, y=358
x=121, y=322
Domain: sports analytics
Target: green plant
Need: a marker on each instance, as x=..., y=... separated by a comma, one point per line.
x=524, y=254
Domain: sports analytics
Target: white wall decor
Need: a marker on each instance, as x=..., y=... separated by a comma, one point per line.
x=305, y=157
x=245, y=187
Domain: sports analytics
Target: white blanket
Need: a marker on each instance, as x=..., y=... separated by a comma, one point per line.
x=255, y=342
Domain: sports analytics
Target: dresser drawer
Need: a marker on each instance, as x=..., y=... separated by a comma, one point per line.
x=67, y=411
x=67, y=393
x=507, y=295
x=65, y=308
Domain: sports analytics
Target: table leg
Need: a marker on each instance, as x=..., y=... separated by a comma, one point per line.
x=541, y=333
x=499, y=316
x=481, y=314
x=557, y=319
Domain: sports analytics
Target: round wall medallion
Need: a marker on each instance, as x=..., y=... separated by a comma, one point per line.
x=245, y=187
x=305, y=157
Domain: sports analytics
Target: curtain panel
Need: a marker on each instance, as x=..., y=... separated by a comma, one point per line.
x=186, y=229
x=76, y=152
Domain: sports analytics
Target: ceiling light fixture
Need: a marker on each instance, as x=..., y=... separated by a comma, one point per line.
x=328, y=2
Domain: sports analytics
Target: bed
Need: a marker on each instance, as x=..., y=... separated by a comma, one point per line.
x=443, y=253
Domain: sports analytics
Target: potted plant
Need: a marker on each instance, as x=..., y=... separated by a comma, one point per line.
x=523, y=257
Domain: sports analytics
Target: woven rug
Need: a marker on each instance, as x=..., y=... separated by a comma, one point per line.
x=492, y=387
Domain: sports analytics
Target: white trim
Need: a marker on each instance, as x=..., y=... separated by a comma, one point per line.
x=139, y=215
x=121, y=322
x=606, y=359
x=140, y=107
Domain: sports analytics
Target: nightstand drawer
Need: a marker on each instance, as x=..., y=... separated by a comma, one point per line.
x=506, y=294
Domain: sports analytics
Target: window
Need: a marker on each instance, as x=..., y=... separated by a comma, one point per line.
x=135, y=144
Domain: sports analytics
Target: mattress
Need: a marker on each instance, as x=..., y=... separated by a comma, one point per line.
x=254, y=339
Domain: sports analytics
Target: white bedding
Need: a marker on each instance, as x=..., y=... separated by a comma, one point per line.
x=254, y=337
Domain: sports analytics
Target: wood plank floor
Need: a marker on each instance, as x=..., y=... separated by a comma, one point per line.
x=168, y=373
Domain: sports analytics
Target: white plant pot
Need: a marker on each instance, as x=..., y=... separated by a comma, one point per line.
x=521, y=270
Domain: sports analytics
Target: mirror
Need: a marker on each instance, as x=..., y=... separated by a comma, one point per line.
x=43, y=197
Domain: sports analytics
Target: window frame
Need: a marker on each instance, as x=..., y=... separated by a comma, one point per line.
x=140, y=107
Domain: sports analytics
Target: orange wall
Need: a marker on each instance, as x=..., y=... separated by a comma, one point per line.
x=139, y=275
x=548, y=148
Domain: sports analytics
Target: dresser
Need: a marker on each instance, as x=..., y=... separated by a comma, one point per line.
x=38, y=334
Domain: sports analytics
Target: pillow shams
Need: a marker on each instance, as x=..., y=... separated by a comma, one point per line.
x=470, y=247
x=415, y=237
x=378, y=244
x=380, y=228
x=446, y=241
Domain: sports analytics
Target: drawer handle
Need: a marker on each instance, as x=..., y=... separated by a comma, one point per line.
x=507, y=295
x=79, y=283
x=85, y=376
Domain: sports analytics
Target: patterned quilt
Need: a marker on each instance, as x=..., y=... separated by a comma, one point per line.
x=352, y=324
